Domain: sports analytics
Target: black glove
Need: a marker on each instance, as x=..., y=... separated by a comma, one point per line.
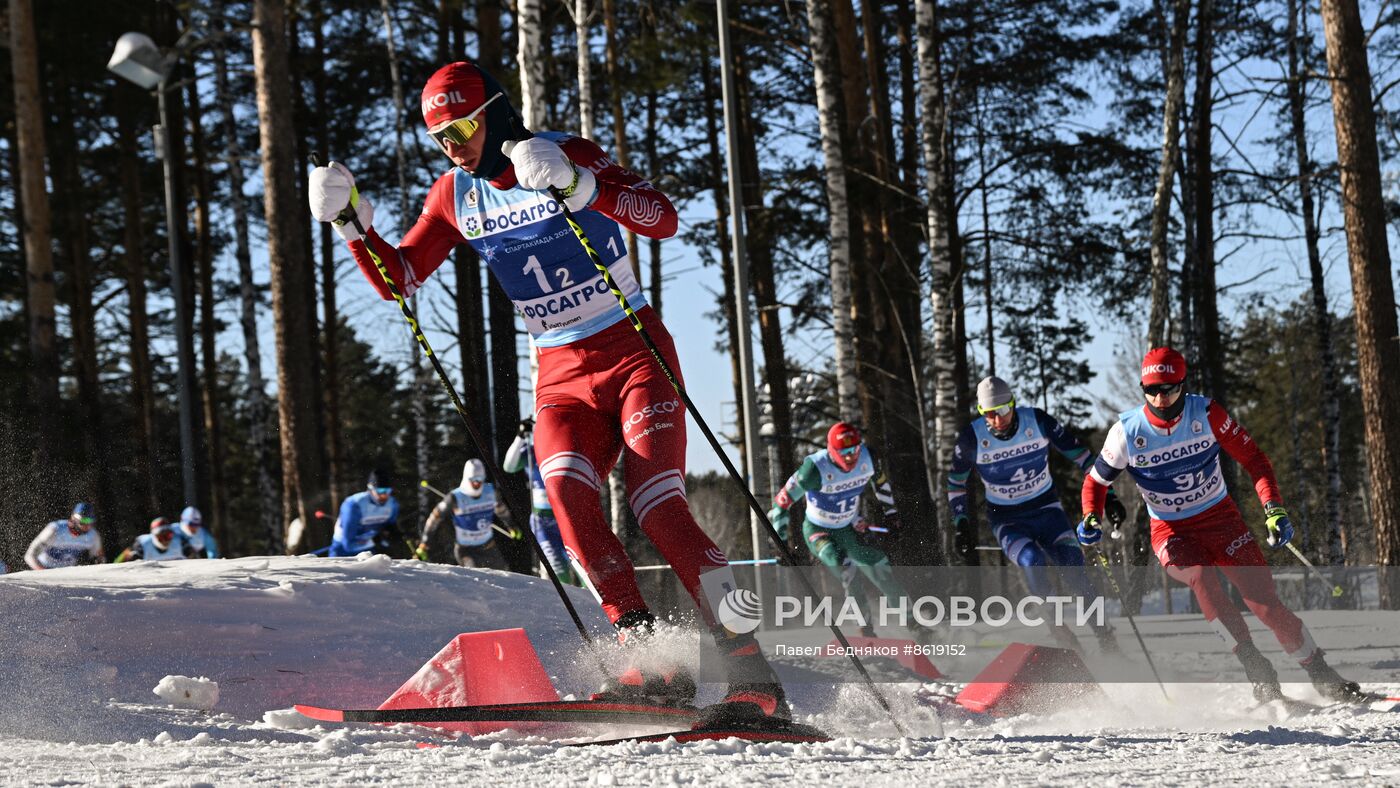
x=1113, y=510
x=526, y=425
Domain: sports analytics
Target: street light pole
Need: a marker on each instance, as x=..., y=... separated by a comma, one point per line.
x=184, y=343
x=137, y=59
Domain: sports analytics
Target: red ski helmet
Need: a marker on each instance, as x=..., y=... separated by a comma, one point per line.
x=459, y=89
x=162, y=530
x=843, y=445
x=1163, y=365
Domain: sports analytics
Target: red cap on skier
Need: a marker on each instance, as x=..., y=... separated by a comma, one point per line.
x=460, y=102
x=162, y=530
x=843, y=444
x=1163, y=365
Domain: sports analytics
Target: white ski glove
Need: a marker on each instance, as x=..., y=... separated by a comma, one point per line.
x=541, y=164
x=331, y=190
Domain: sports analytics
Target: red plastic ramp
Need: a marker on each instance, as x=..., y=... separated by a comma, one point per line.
x=902, y=651
x=478, y=668
x=1026, y=678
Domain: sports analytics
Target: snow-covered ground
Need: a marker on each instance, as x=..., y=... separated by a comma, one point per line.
x=183, y=673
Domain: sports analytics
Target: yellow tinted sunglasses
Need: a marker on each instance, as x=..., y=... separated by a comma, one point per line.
x=460, y=130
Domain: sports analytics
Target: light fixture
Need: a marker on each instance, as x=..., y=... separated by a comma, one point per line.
x=136, y=58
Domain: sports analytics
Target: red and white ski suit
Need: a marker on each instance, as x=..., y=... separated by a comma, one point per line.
x=599, y=392
x=1193, y=546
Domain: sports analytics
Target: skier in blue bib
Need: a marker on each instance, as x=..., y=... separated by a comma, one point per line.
x=521, y=457
x=367, y=519
x=472, y=509
x=1010, y=449
x=69, y=542
x=832, y=481
x=192, y=530
x=163, y=543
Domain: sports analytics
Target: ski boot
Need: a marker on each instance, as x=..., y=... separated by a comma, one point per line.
x=1328, y=683
x=670, y=685
x=755, y=699
x=1260, y=673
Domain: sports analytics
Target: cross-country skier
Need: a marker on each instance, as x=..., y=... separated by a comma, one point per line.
x=1010, y=449
x=67, y=542
x=1171, y=448
x=472, y=509
x=832, y=480
x=599, y=391
x=163, y=543
x=521, y=457
x=368, y=518
x=192, y=529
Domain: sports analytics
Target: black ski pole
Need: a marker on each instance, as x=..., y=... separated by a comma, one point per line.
x=710, y=436
x=1113, y=581
x=487, y=456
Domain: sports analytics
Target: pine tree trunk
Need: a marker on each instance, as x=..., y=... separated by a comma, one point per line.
x=133, y=239
x=302, y=130
x=269, y=515
x=303, y=460
x=37, y=229
x=531, y=62
x=489, y=39
x=933, y=126
x=209, y=353
x=1161, y=198
x=418, y=398
x=896, y=305
x=759, y=243
x=330, y=327
x=1207, y=310
x=583, y=19
x=505, y=376
x=1373, y=291
x=471, y=331
x=1322, y=313
x=72, y=224
x=825, y=69
x=616, y=88
x=988, y=302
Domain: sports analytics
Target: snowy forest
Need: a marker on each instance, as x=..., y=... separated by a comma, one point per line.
x=932, y=191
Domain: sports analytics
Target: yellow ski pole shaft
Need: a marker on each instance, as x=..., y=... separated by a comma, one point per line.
x=1337, y=590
